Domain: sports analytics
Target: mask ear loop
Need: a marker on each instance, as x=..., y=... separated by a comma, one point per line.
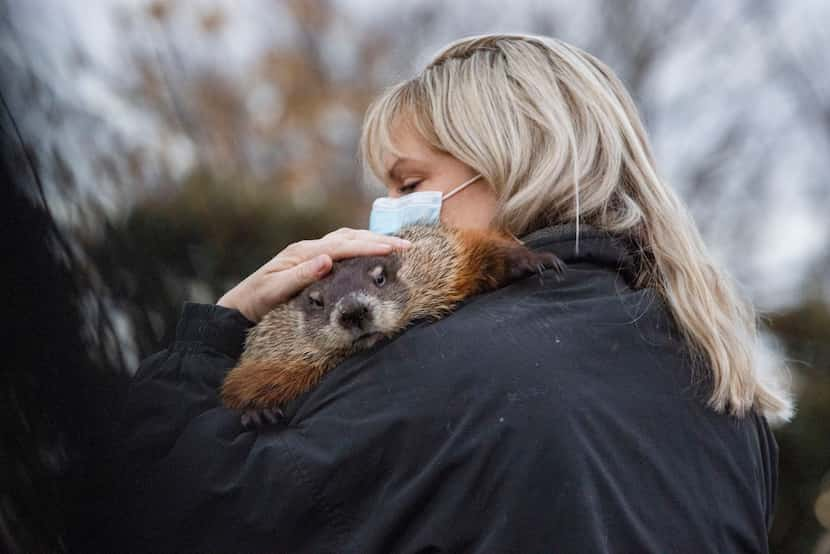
x=460, y=187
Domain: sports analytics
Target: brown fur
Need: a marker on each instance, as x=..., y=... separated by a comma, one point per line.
x=294, y=345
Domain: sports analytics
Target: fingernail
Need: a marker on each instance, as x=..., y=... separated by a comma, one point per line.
x=318, y=264
x=404, y=242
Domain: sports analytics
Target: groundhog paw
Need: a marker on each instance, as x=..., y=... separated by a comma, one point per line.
x=524, y=262
x=255, y=419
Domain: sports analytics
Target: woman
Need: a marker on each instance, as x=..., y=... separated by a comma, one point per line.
x=613, y=410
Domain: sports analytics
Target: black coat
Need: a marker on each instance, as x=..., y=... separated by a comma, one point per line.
x=547, y=416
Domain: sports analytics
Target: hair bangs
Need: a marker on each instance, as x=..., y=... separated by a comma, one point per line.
x=405, y=104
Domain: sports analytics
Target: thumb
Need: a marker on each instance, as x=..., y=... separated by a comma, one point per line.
x=302, y=275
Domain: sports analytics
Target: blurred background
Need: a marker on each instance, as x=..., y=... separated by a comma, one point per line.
x=178, y=145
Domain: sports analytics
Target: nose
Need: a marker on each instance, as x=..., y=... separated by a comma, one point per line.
x=353, y=313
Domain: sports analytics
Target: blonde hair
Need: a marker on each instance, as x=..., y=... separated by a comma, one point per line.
x=556, y=134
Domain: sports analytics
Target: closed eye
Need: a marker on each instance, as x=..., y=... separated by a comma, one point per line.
x=409, y=187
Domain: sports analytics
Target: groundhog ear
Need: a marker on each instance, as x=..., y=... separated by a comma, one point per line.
x=392, y=262
x=376, y=271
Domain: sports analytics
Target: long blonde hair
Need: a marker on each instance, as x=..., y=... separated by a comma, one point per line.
x=556, y=134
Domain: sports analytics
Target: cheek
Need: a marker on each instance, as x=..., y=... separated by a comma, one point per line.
x=451, y=217
x=474, y=211
x=312, y=324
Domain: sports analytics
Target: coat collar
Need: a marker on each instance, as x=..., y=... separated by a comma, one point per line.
x=596, y=247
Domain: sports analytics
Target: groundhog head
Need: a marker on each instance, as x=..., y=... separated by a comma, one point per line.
x=359, y=302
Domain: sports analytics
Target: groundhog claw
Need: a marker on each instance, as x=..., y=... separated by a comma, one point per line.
x=526, y=262
x=254, y=419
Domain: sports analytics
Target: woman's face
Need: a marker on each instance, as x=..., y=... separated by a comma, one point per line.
x=421, y=168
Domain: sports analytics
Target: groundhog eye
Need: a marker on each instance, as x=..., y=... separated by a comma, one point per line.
x=380, y=279
x=315, y=299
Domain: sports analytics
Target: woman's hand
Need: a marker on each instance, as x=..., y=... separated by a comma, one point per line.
x=299, y=265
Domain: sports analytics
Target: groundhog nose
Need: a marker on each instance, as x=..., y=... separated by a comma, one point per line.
x=354, y=313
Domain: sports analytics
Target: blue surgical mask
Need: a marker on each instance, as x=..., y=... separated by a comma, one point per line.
x=390, y=215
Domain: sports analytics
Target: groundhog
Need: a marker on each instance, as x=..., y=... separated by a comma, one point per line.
x=365, y=299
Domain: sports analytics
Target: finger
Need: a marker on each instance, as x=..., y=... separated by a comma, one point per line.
x=282, y=285
x=343, y=232
x=336, y=249
x=365, y=234
x=350, y=248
